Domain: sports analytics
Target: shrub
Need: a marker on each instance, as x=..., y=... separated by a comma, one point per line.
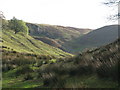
x=81, y=70
x=13, y=51
x=6, y=67
x=54, y=80
x=56, y=68
x=28, y=77
x=23, y=70
x=49, y=80
x=22, y=61
x=38, y=63
x=105, y=71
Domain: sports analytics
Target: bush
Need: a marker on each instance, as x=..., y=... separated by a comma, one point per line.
x=23, y=70
x=56, y=68
x=38, y=63
x=7, y=67
x=49, y=79
x=28, y=77
x=81, y=70
x=54, y=80
x=22, y=61
x=105, y=71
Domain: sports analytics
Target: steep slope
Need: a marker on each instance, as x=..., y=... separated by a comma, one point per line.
x=108, y=54
x=96, y=68
x=26, y=44
x=90, y=69
x=56, y=36
x=96, y=38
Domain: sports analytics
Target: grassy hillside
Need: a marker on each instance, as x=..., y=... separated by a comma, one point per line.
x=71, y=39
x=55, y=32
x=57, y=36
x=26, y=44
x=96, y=68
x=96, y=38
x=27, y=62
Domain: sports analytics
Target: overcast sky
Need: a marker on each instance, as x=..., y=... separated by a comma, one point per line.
x=75, y=13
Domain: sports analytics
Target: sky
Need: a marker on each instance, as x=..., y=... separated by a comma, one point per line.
x=74, y=13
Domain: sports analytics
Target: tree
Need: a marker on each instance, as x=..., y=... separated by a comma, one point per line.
x=18, y=26
x=3, y=21
x=4, y=24
x=114, y=4
x=1, y=15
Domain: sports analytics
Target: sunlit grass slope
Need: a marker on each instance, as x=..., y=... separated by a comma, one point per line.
x=26, y=44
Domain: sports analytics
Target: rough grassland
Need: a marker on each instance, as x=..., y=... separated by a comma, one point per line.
x=26, y=44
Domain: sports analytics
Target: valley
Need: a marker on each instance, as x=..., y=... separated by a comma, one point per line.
x=46, y=56
x=73, y=40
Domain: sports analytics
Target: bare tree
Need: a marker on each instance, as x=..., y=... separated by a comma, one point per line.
x=111, y=2
x=1, y=15
x=114, y=4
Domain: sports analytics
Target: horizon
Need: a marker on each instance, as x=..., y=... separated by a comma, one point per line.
x=66, y=13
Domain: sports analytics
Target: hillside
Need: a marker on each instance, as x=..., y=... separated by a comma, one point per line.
x=95, y=38
x=71, y=39
x=27, y=62
x=57, y=36
x=26, y=44
x=96, y=68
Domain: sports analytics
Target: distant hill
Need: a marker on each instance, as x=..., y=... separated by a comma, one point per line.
x=71, y=39
x=54, y=35
x=56, y=32
x=26, y=44
x=102, y=55
x=96, y=38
